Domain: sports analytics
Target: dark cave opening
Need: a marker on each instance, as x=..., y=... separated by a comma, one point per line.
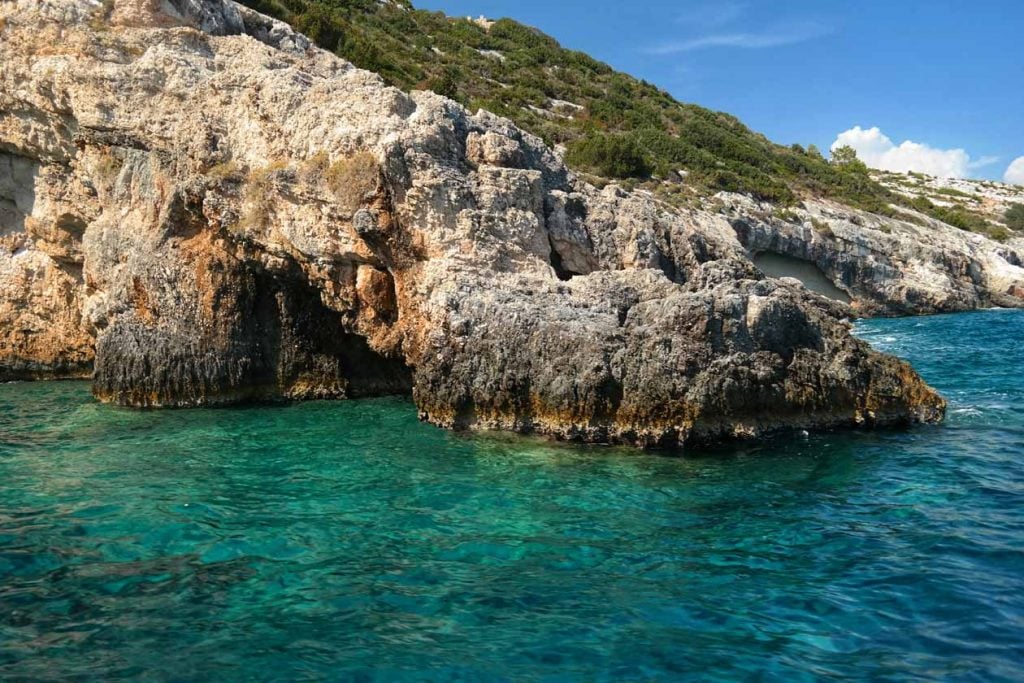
x=813, y=278
x=557, y=263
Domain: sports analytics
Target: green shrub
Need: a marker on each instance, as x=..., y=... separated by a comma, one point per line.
x=611, y=156
x=1015, y=217
x=446, y=83
x=850, y=165
x=999, y=233
x=322, y=26
x=952, y=215
x=627, y=128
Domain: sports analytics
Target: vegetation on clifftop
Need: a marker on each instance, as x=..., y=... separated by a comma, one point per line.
x=1015, y=217
x=612, y=125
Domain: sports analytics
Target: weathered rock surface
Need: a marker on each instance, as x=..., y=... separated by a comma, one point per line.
x=223, y=213
x=886, y=266
x=41, y=326
x=986, y=198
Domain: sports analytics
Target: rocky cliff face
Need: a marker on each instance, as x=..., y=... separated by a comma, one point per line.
x=219, y=212
x=884, y=266
x=988, y=199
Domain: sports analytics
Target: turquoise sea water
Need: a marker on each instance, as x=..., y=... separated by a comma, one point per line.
x=347, y=541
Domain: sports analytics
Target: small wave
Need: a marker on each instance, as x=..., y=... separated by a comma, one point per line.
x=970, y=410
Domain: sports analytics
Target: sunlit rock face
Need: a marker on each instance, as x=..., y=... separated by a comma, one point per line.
x=220, y=212
x=884, y=266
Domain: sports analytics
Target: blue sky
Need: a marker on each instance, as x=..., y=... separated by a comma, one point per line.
x=946, y=75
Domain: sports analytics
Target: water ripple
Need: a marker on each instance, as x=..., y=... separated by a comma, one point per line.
x=348, y=541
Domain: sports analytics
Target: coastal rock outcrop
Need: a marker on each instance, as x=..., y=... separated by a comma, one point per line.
x=220, y=212
x=883, y=266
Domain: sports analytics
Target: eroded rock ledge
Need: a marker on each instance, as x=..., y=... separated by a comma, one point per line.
x=884, y=266
x=223, y=213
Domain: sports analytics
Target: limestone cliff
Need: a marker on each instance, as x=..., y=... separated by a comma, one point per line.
x=883, y=266
x=220, y=212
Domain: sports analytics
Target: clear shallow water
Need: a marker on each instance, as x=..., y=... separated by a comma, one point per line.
x=347, y=541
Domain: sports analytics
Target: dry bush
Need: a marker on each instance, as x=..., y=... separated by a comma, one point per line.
x=999, y=233
x=258, y=198
x=314, y=169
x=228, y=170
x=351, y=180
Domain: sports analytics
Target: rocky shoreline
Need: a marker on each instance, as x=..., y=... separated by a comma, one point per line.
x=208, y=210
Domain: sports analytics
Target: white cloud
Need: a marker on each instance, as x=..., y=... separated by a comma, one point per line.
x=774, y=37
x=878, y=151
x=1015, y=172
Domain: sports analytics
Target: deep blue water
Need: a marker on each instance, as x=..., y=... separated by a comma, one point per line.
x=347, y=541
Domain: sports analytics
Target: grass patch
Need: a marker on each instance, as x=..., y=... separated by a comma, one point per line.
x=822, y=227
x=314, y=169
x=785, y=215
x=953, y=192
